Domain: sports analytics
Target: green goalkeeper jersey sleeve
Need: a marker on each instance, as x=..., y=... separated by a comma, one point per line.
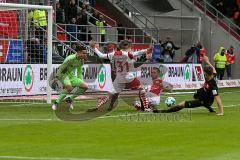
x=69, y=67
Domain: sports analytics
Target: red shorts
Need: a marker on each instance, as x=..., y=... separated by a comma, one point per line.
x=134, y=84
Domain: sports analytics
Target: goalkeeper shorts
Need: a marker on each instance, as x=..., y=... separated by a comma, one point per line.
x=72, y=81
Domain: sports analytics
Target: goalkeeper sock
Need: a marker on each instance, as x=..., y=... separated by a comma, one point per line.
x=77, y=93
x=62, y=95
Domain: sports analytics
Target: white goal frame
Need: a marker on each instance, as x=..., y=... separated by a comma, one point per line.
x=49, y=10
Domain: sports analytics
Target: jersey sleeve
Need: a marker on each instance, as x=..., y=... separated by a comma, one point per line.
x=214, y=88
x=80, y=71
x=166, y=85
x=139, y=53
x=104, y=56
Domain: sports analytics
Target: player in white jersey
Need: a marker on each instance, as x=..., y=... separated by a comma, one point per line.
x=124, y=67
x=153, y=92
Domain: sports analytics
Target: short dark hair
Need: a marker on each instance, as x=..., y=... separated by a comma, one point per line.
x=157, y=69
x=208, y=70
x=124, y=43
x=80, y=48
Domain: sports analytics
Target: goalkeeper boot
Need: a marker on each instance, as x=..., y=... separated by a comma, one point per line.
x=69, y=101
x=55, y=106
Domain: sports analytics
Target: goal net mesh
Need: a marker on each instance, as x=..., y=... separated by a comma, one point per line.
x=24, y=52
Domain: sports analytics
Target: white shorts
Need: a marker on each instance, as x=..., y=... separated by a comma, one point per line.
x=153, y=98
x=117, y=87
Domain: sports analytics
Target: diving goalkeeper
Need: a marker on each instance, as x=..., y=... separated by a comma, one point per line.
x=66, y=74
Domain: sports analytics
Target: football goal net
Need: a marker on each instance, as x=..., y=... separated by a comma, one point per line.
x=25, y=52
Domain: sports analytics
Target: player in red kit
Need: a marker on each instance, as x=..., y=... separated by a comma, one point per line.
x=123, y=61
x=154, y=91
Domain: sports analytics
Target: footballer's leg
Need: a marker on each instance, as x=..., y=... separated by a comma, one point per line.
x=67, y=89
x=135, y=84
x=112, y=95
x=137, y=105
x=175, y=108
x=144, y=100
x=113, y=101
x=197, y=96
x=100, y=102
x=81, y=88
x=180, y=106
x=114, y=92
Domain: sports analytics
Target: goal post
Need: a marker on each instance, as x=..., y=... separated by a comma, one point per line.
x=25, y=43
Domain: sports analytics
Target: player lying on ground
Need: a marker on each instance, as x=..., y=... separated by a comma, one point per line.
x=154, y=90
x=66, y=75
x=203, y=97
x=124, y=67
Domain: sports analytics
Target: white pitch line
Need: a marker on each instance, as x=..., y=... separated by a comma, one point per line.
x=22, y=119
x=27, y=104
x=105, y=117
x=135, y=114
x=46, y=158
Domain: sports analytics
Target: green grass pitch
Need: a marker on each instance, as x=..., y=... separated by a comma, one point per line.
x=32, y=131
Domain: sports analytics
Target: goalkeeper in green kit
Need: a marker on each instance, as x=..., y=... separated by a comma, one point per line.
x=66, y=74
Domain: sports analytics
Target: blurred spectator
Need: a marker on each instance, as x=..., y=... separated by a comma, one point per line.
x=238, y=2
x=231, y=7
x=129, y=38
x=32, y=51
x=101, y=24
x=168, y=53
x=70, y=11
x=94, y=17
x=157, y=52
x=93, y=3
x=60, y=15
x=40, y=23
x=168, y=40
x=169, y=43
x=72, y=30
x=236, y=17
x=84, y=16
x=63, y=3
x=82, y=21
x=195, y=54
x=88, y=8
x=121, y=32
x=74, y=46
x=86, y=2
x=192, y=55
x=90, y=38
x=36, y=52
x=230, y=60
x=220, y=5
x=202, y=52
x=220, y=62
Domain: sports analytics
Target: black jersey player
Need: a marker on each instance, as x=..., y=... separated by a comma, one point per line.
x=204, y=96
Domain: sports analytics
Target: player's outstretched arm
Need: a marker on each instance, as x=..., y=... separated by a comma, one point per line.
x=220, y=106
x=144, y=51
x=167, y=87
x=101, y=55
x=206, y=60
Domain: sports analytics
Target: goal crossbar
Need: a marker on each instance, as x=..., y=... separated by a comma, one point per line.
x=49, y=10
